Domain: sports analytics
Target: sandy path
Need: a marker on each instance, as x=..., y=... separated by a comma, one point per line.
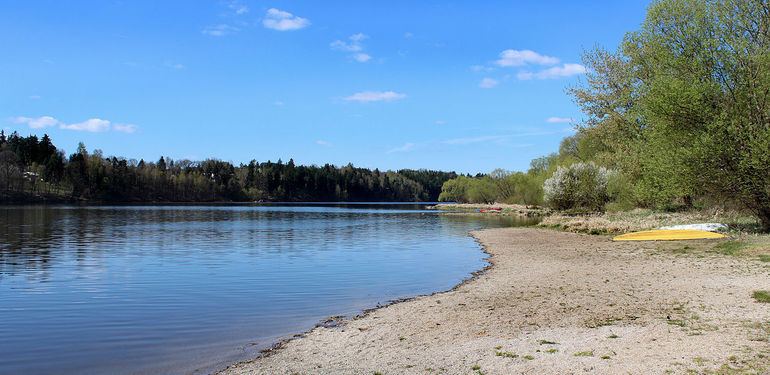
x=607, y=308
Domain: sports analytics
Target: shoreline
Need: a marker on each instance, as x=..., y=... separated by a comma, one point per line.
x=339, y=320
x=553, y=302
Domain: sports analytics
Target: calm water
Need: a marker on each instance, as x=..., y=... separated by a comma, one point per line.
x=193, y=288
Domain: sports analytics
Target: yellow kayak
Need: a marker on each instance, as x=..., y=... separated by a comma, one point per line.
x=668, y=235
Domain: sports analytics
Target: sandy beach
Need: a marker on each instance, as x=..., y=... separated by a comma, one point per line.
x=557, y=303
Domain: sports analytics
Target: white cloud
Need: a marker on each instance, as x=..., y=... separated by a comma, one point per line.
x=34, y=96
x=174, y=65
x=353, y=46
x=481, y=68
x=238, y=7
x=283, y=21
x=90, y=125
x=125, y=128
x=512, y=57
x=36, y=123
x=565, y=70
x=440, y=122
x=219, y=30
x=342, y=46
x=408, y=35
x=278, y=103
x=558, y=120
x=323, y=143
x=498, y=138
x=488, y=83
x=406, y=147
x=463, y=141
x=94, y=125
x=374, y=96
x=361, y=57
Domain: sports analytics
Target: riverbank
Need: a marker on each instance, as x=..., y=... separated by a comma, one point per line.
x=500, y=209
x=555, y=302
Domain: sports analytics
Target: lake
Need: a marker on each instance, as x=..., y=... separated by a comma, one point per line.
x=181, y=289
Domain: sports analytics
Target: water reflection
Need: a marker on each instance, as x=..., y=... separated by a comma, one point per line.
x=175, y=289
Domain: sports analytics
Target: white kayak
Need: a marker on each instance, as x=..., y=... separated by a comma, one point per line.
x=709, y=227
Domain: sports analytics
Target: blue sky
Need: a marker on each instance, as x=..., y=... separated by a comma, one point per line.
x=464, y=86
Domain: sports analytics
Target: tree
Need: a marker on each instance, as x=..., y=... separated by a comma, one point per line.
x=455, y=190
x=684, y=105
x=10, y=168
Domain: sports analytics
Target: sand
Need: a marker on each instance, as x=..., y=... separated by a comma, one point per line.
x=556, y=303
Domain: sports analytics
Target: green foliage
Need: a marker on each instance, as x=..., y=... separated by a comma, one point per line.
x=683, y=107
x=482, y=190
x=29, y=166
x=455, y=190
x=620, y=193
x=498, y=186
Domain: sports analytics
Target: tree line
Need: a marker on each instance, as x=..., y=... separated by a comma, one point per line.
x=32, y=167
x=678, y=115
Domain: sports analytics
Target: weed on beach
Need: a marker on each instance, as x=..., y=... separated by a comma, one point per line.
x=506, y=354
x=584, y=354
x=762, y=296
x=730, y=247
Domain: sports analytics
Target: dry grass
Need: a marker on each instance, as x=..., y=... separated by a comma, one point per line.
x=642, y=219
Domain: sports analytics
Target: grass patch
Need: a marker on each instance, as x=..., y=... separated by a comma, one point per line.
x=612, y=336
x=551, y=351
x=730, y=247
x=546, y=342
x=529, y=357
x=505, y=354
x=676, y=322
x=762, y=296
x=584, y=354
x=764, y=258
x=700, y=361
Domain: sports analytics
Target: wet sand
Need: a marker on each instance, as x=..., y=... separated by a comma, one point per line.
x=556, y=303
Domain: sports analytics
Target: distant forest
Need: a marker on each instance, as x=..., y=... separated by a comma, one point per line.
x=33, y=169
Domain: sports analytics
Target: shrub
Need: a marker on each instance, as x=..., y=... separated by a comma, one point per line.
x=581, y=185
x=455, y=190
